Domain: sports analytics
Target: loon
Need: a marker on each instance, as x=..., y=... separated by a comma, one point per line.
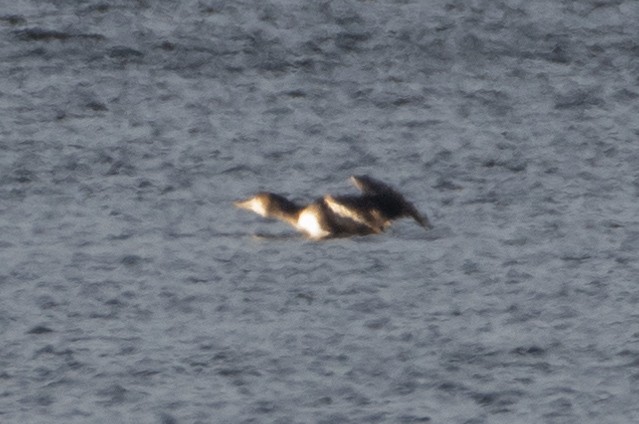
x=339, y=216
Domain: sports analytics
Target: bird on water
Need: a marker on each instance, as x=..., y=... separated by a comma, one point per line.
x=339, y=216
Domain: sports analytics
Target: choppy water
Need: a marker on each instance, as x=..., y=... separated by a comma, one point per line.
x=131, y=290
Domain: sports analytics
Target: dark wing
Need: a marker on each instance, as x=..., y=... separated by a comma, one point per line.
x=421, y=219
x=369, y=185
x=389, y=201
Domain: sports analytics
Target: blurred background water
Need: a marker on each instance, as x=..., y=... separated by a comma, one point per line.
x=132, y=291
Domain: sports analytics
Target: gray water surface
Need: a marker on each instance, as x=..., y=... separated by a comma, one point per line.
x=132, y=291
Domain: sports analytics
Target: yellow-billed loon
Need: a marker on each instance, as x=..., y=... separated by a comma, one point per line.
x=339, y=216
